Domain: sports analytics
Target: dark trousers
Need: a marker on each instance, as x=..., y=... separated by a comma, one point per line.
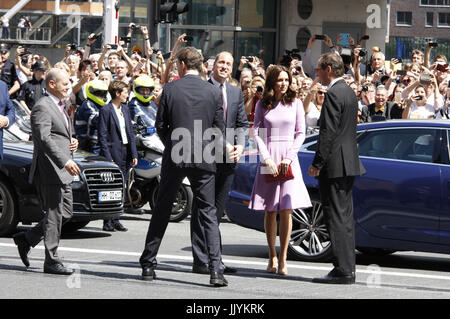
x=124, y=166
x=56, y=201
x=224, y=180
x=337, y=204
x=202, y=184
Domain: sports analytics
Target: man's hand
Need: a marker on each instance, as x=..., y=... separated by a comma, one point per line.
x=313, y=171
x=236, y=152
x=3, y=121
x=91, y=39
x=72, y=168
x=73, y=144
x=134, y=163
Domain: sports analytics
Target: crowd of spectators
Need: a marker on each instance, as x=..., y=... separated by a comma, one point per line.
x=392, y=90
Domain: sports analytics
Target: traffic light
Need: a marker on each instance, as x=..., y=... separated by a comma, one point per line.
x=169, y=10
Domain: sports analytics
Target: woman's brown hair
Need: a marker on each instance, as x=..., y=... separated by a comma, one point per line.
x=116, y=86
x=268, y=100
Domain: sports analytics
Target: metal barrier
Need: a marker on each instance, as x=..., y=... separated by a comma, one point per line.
x=40, y=35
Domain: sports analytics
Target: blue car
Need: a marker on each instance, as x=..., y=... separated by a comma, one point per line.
x=401, y=203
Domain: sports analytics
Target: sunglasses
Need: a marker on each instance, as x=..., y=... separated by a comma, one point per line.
x=321, y=92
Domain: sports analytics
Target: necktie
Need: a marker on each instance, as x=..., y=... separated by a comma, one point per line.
x=224, y=101
x=61, y=107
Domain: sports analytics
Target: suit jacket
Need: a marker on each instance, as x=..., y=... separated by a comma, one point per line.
x=110, y=138
x=6, y=109
x=337, y=153
x=391, y=111
x=236, y=117
x=51, y=139
x=182, y=102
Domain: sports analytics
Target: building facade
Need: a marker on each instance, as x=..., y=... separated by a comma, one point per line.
x=264, y=28
x=412, y=23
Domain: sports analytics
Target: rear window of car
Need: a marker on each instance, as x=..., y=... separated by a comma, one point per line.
x=415, y=145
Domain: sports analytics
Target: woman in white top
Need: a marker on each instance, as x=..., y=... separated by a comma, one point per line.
x=418, y=107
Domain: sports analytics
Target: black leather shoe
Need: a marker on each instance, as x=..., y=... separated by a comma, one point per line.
x=57, y=269
x=118, y=226
x=23, y=247
x=229, y=270
x=217, y=279
x=148, y=274
x=200, y=269
x=337, y=278
x=108, y=226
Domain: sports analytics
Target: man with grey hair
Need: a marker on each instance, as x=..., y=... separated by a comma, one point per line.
x=52, y=171
x=382, y=109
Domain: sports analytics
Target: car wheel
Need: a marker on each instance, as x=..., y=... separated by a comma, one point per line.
x=181, y=206
x=8, y=218
x=310, y=240
x=375, y=251
x=71, y=227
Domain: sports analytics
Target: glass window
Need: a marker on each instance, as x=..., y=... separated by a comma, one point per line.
x=209, y=12
x=210, y=42
x=404, y=18
x=403, y=144
x=260, y=44
x=430, y=18
x=444, y=19
x=257, y=13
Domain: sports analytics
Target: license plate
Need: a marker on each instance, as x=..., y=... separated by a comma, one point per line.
x=109, y=196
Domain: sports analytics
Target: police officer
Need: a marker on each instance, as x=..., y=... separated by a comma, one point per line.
x=142, y=107
x=86, y=118
x=32, y=90
x=8, y=74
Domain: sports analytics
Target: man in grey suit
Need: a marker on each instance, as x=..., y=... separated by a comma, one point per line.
x=52, y=171
x=237, y=127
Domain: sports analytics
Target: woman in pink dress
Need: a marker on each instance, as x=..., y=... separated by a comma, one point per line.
x=279, y=131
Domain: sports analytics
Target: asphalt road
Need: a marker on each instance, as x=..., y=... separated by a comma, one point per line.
x=107, y=266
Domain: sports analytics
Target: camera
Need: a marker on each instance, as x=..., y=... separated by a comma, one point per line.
x=249, y=59
x=113, y=46
x=319, y=37
x=188, y=38
x=135, y=27
x=365, y=88
x=425, y=79
x=125, y=39
x=365, y=37
x=259, y=89
x=73, y=46
x=289, y=56
x=346, y=55
x=432, y=44
x=363, y=52
x=442, y=67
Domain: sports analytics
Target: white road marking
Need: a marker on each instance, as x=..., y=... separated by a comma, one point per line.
x=239, y=262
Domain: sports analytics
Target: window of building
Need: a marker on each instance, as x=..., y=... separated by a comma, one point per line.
x=444, y=19
x=429, y=20
x=404, y=18
x=436, y=3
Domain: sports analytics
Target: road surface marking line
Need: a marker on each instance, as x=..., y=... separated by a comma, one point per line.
x=232, y=261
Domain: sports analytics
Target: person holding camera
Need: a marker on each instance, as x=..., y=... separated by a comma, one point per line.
x=424, y=104
x=255, y=93
x=307, y=64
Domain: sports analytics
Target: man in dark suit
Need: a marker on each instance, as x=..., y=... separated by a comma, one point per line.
x=189, y=108
x=336, y=164
x=52, y=171
x=7, y=110
x=237, y=126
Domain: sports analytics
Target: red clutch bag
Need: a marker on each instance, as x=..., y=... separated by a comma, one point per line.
x=280, y=177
